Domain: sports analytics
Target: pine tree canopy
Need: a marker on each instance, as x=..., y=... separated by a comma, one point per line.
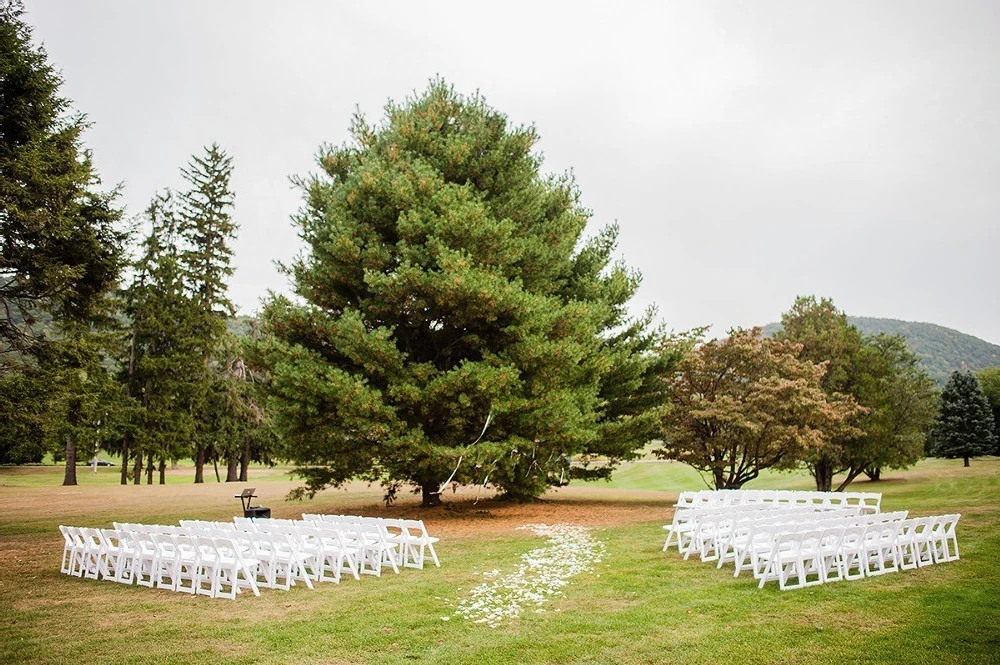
x=454, y=322
x=60, y=250
x=965, y=424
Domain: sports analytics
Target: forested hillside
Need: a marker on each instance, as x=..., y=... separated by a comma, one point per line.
x=941, y=350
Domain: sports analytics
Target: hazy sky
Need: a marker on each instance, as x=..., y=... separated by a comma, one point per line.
x=749, y=151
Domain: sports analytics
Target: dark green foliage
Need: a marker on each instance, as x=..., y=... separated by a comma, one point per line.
x=902, y=401
x=60, y=250
x=61, y=253
x=455, y=324
x=206, y=225
x=190, y=391
x=941, y=350
x=163, y=366
x=965, y=426
x=989, y=382
x=23, y=400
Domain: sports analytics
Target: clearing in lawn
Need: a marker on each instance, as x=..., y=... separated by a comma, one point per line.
x=636, y=605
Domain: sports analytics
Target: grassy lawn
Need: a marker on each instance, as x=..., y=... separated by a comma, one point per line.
x=639, y=606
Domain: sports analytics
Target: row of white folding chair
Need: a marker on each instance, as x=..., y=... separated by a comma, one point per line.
x=277, y=563
x=711, y=533
x=751, y=544
x=411, y=535
x=155, y=558
x=83, y=552
x=390, y=532
x=736, y=541
x=171, y=557
x=853, y=551
x=683, y=523
x=869, y=501
x=923, y=541
x=695, y=524
x=327, y=550
x=826, y=552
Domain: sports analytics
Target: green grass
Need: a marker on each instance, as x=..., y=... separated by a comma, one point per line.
x=639, y=606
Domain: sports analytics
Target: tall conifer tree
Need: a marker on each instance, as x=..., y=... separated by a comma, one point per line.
x=164, y=365
x=456, y=326
x=965, y=424
x=208, y=229
x=61, y=251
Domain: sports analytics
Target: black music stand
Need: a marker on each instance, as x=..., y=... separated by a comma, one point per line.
x=252, y=511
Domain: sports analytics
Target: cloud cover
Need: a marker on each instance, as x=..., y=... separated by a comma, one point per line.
x=749, y=151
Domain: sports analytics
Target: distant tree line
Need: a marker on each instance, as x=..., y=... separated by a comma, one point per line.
x=148, y=370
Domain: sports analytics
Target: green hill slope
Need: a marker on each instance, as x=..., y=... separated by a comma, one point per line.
x=941, y=350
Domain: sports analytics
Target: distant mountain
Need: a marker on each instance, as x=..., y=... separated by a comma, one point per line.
x=941, y=350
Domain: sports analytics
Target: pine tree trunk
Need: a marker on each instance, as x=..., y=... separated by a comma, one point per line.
x=70, y=477
x=149, y=469
x=245, y=463
x=125, y=454
x=429, y=494
x=137, y=469
x=199, y=465
x=215, y=463
x=966, y=463
x=163, y=471
x=232, y=468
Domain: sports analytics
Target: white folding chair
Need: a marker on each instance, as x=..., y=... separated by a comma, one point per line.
x=944, y=539
x=93, y=552
x=794, y=555
x=234, y=570
x=880, y=548
x=146, y=558
x=417, y=541
x=71, y=550
x=906, y=543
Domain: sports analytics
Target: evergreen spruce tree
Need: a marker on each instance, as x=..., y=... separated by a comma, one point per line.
x=965, y=424
x=454, y=325
x=60, y=250
x=208, y=229
x=164, y=366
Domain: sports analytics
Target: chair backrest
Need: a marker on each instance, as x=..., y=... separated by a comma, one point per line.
x=946, y=524
x=93, y=538
x=165, y=544
x=112, y=539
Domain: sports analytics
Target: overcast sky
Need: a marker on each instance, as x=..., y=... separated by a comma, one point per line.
x=750, y=152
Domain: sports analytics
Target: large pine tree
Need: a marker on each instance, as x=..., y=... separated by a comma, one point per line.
x=965, y=424
x=454, y=324
x=61, y=251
